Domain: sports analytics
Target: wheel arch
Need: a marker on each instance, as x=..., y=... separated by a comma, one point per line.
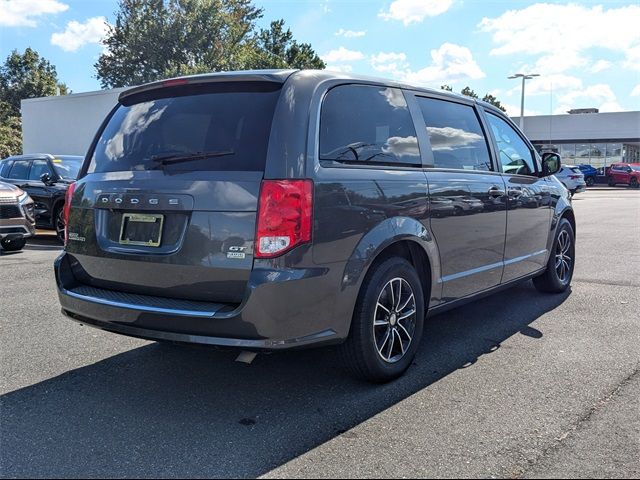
x=403, y=237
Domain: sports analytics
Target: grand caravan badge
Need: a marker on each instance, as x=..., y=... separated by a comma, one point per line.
x=236, y=252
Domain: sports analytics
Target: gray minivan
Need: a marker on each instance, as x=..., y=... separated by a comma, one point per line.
x=268, y=210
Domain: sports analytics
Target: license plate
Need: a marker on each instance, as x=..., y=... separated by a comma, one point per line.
x=141, y=229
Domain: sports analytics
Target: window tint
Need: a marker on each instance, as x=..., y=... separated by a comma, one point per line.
x=230, y=121
x=364, y=124
x=515, y=156
x=4, y=168
x=38, y=167
x=455, y=134
x=20, y=170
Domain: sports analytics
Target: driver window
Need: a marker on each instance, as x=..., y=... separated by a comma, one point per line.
x=38, y=167
x=515, y=156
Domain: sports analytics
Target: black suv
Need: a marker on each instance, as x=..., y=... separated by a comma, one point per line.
x=46, y=179
x=280, y=209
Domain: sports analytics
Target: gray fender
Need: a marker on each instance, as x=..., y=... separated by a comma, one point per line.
x=382, y=236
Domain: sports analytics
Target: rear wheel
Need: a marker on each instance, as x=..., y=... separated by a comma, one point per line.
x=611, y=182
x=13, y=245
x=557, y=277
x=590, y=181
x=387, y=323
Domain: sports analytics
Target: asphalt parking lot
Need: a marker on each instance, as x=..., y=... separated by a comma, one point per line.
x=520, y=384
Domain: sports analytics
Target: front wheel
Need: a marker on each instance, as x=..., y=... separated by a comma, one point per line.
x=387, y=323
x=13, y=245
x=59, y=224
x=590, y=181
x=557, y=277
x=634, y=182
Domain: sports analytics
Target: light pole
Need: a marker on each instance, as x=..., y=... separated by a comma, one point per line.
x=527, y=76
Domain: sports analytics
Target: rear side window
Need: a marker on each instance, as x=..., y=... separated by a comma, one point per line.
x=20, y=170
x=455, y=134
x=231, y=122
x=366, y=124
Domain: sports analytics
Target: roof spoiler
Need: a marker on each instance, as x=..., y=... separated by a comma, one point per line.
x=273, y=76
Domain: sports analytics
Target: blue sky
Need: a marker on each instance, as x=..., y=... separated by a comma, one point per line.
x=587, y=53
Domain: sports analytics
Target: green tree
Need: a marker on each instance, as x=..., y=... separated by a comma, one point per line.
x=469, y=93
x=22, y=76
x=448, y=88
x=155, y=39
x=27, y=75
x=276, y=48
x=493, y=101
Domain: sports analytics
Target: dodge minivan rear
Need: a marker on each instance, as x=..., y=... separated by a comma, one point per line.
x=280, y=209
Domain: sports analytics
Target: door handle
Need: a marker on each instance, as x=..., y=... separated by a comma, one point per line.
x=495, y=192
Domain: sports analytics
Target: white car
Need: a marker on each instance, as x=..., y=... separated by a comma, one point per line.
x=572, y=178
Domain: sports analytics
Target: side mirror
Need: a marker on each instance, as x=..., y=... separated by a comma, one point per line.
x=550, y=164
x=46, y=179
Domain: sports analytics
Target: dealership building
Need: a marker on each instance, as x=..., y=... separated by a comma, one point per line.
x=587, y=137
x=66, y=125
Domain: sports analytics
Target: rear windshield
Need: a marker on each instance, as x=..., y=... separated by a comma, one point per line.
x=229, y=121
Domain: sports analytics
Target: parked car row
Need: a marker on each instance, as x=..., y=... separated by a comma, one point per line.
x=46, y=179
x=17, y=217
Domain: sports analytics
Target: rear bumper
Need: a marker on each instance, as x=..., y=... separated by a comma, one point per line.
x=274, y=315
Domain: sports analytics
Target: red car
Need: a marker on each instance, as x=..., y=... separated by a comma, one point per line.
x=627, y=173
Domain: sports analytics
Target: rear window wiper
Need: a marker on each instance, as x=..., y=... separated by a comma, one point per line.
x=181, y=157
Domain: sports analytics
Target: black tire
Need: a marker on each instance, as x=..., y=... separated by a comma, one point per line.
x=590, y=181
x=13, y=245
x=611, y=182
x=633, y=183
x=58, y=222
x=557, y=277
x=363, y=351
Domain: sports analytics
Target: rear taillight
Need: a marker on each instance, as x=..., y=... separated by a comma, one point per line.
x=285, y=211
x=67, y=210
x=574, y=177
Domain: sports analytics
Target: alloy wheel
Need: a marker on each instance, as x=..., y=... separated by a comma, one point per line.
x=60, y=225
x=563, y=256
x=394, y=320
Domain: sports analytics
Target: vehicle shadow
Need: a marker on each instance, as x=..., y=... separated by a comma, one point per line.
x=170, y=411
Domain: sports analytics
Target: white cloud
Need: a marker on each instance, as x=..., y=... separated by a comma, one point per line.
x=564, y=34
x=340, y=68
x=632, y=61
x=342, y=55
x=514, y=110
x=559, y=61
x=557, y=83
x=600, y=66
x=600, y=96
x=415, y=11
x=350, y=33
x=391, y=62
x=450, y=63
x=22, y=13
x=636, y=91
x=543, y=28
x=78, y=34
